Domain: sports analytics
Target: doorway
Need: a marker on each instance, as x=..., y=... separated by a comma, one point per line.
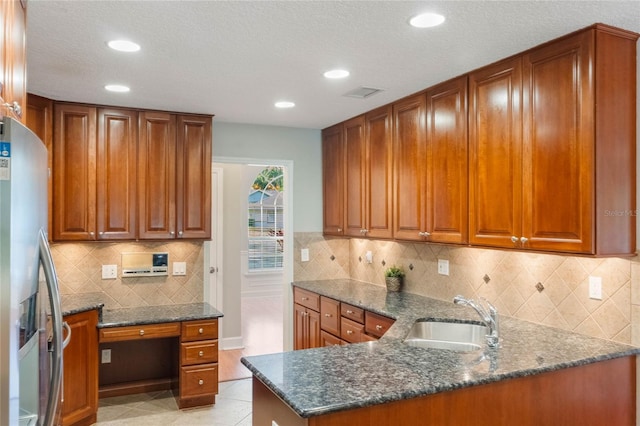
x=254, y=304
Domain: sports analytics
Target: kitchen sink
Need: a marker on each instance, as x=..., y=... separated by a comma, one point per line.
x=454, y=336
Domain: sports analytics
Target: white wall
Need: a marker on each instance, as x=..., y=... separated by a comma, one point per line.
x=303, y=148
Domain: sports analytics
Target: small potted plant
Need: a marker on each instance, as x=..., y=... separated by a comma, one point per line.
x=393, y=277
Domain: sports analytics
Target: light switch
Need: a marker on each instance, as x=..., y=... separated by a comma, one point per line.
x=109, y=272
x=595, y=288
x=179, y=268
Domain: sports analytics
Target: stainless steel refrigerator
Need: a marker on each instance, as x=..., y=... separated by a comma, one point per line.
x=31, y=341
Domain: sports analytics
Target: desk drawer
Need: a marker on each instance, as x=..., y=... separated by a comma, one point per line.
x=199, y=330
x=201, y=352
x=198, y=380
x=137, y=332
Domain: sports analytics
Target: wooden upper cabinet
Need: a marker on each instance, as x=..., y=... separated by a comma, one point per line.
x=74, y=173
x=333, y=175
x=379, y=173
x=558, y=164
x=193, y=170
x=355, y=165
x=116, y=174
x=446, y=208
x=495, y=154
x=409, y=157
x=13, y=54
x=157, y=176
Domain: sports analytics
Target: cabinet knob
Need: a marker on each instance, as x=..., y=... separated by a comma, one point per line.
x=180, y=233
x=424, y=234
x=200, y=330
x=379, y=327
x=201, y=382
x=92, y=233
x=15, y=107
x=304, y=298
x=523, y=240
x=514, y=239
x=339, y=229
x=172, y=233
x=349, y=331
x=327, y=315
x=349, y=311
x=201, y=353
x=142, y=332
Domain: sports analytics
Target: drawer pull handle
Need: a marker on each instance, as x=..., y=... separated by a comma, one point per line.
x=379, y=327
x=201, y=382
x=350, y=312
x=304, y=298
x=200, y=330
x=349, y=331
x=201, y=353
x=142, y=332
x=327, y=315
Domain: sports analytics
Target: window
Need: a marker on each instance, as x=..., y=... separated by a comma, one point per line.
x=265, y=221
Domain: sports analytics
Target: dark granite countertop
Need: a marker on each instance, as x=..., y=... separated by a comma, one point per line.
x=324, y=380
x=121, y=317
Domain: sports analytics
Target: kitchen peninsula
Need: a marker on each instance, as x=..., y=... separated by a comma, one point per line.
x=130, y=350
x=538, y=375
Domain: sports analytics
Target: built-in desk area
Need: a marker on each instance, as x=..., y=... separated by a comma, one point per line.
x=124, y=351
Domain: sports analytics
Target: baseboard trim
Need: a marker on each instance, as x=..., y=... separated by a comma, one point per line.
x=229, y=343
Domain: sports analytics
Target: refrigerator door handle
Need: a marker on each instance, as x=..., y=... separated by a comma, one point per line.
x=56, y=319
x=68, y=338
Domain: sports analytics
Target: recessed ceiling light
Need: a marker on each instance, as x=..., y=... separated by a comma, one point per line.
x=426, y=20
x=124, y=45
x=116, y=88
x=336, y=74
x=284, y=104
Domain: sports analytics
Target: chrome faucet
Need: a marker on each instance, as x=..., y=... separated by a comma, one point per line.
x=489, y=316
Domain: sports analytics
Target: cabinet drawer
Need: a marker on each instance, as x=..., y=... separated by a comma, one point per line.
x=198, y=380
x=351, y=331
x=135, y=332
x=352, y=312
x=327, y=339
x=377, y=325
x=306, y=298
x=201, y=352
x=199, y=330
x=330, y=315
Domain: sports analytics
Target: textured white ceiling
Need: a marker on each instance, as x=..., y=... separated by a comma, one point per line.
x=234, y=59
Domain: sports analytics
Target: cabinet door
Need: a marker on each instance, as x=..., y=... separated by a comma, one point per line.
x=495, y=154
x=330, y=315
x=157, y=176
x=447, y=173
x=193, y=173
x=354, y=145
x=74, y=173
x=13, y=54
x=80, y=371
x=558, y=157
x=333, y=185
x=409, y=164
x=116, y=174
x=313, y=324
x=300, y=338
x=379, y=177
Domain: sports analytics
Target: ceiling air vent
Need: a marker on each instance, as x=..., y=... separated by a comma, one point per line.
x=362, y=92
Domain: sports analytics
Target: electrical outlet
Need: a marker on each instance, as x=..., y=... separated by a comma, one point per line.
x=106, y=356
x=179, y=268
x=443, y=267
x=595, y=288
x=369, y=256
x=109, y=272
x=304, y=255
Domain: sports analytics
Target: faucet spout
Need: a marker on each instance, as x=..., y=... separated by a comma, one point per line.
x=489, y=316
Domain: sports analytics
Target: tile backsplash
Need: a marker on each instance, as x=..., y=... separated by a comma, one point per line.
x=508, y=279
x=79, y=269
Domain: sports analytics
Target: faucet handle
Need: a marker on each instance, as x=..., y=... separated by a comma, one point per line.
x=492, y=309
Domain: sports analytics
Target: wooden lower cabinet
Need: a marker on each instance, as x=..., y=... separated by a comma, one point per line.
x=306, y=328
x=602, y=393
x=80, y=370
x=198, y=363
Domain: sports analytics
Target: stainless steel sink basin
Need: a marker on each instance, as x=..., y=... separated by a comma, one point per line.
x=454, y=336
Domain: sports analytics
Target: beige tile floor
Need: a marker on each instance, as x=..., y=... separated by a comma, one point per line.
x=232, y=408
